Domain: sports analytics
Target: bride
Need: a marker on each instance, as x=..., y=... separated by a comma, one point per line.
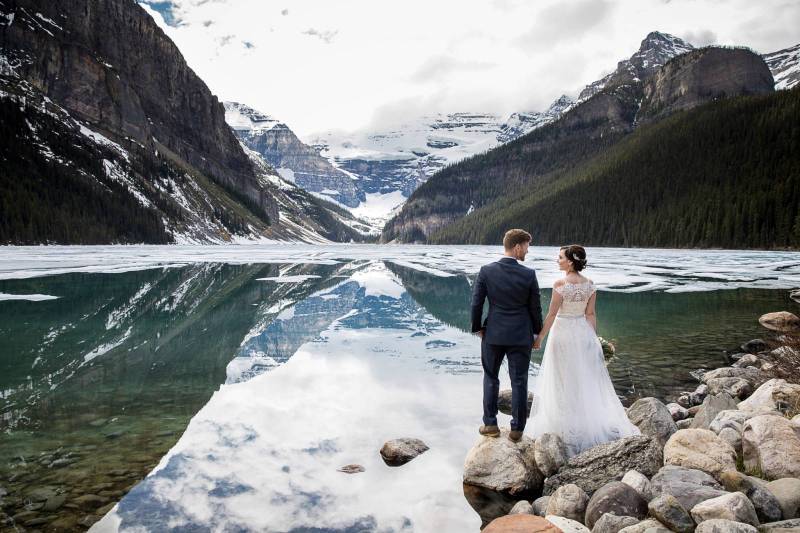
x=574, y=397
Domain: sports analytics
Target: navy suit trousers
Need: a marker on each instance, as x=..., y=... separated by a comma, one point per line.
x=519, y=360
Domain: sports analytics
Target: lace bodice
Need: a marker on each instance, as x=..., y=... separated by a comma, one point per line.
x=574, y=297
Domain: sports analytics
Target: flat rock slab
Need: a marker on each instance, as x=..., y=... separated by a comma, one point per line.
x=520, y=523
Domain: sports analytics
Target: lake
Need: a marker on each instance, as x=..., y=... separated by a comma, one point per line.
x=202, y=388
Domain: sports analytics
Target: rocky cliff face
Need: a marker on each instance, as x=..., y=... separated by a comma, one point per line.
x=294, y=160
x=108, y=63
x=654, y=51
x=701, y=76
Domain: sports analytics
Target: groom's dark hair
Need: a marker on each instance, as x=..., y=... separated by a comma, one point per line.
x=514, y=237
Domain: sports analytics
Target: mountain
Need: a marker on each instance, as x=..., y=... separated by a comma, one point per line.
x=654, y=51
x=785, y=66
x=111, y=137
x=295, y=161
x=518, y=124
x=549, y=157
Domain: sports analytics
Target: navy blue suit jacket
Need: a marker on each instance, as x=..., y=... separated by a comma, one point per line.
x=515, y=309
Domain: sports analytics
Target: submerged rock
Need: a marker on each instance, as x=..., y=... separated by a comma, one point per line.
x=754, y=346
x=567, y=525
x=398, y=452
x=504, y=402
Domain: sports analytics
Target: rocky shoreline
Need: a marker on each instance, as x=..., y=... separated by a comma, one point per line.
x=724, y=458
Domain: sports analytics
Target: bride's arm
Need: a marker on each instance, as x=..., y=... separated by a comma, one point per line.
x=591, y=316
x=555, y=303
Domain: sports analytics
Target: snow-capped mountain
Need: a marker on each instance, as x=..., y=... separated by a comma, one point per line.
x=654, y=51
x=785, y=66
x=295, y=161
x=518, y=124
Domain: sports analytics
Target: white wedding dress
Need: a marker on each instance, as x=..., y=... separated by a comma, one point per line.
x=573, y=395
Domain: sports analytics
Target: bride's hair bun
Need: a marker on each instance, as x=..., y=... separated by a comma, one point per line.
x=576, y=255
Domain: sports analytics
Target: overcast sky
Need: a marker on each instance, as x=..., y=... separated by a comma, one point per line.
x=352, y=64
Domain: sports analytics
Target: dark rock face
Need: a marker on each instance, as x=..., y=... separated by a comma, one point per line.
x=702, y=76
x=617, y=498
x=601, y=464
x=108, y=63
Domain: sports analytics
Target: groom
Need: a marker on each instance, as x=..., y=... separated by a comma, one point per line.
x=514, y=320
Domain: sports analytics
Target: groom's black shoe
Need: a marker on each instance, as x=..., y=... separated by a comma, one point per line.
x=489, y=431
x=514, y=435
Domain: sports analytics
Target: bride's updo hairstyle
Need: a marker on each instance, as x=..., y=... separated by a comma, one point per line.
x=576, y=255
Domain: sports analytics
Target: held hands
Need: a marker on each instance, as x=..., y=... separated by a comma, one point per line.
x=537, y=344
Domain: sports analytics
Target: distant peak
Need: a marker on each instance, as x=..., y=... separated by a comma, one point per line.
x=243, y=117
x=659, y=39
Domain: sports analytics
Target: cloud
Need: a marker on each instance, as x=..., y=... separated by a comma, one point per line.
x=441, y=67
x=700, y=38
x=324, y=35
x=284, y=12
x=564, y=22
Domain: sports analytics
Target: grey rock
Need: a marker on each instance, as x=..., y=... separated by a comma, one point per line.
x=711, y=407
x=501, y=465
x=720, y=525
x=754, y=376
x=568, y=501
x=521, y=507
x=504, y=402
x=669, y=511
x=686, y=423
x=643, y=526
x=688, y=485
x=781, y=321
x=700, y=449
x=767, y=506
x=677, y=411
x=550, y=453
x=54, y=502
x=699, y=394
x=684, y=400
x=787, y=492
x=618, y=498
x=652, y=418
x=567, y=525
x=784, y=526
x=732, y=437
x=598, y=465
x=748, y=360
x=773, y=395
x=640, y=483
x=540, y=505
x=733, y=506
x=398, y=452
x=611, y=523
x=737, y=387
x=730, y=418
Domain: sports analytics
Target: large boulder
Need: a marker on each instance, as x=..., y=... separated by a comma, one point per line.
x=520, y=523
x=787, y=492
x=540, y=505
x=734, y=506
x=598, y=465
x=711, y=407
x=730, y=418
x=611, y=523
x=567, y=525
x=754, y=376
x=398, y=452
x=771, y=447
x=700, y=449
x=669, y=511
x=639, y=482
x=784, y=526
x=773, y=395
x=652, y=418
x=736, y=387
x=618, y=498
x=501, y=465
x=748, y=360
x=651, y=525
x=550, y=453
x=568, y=501
x=720, y=525
x=781, y=321
x=732, y=437
x=767, y=506
x=688, y=485
x=504, y=401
